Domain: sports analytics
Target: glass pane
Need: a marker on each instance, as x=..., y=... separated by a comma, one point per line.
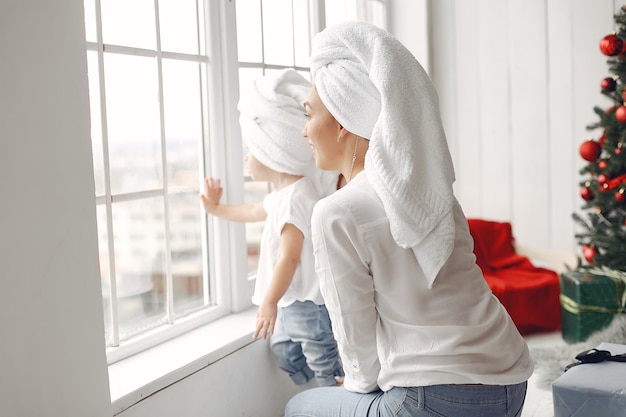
x=203, y=31
x=129, y=23
x=378, y=15
x=183, y=122
x=277, y=32
x=249, y=35
x=133, y=123
x=338, y=10
x=301, y=33
x=179, y=26
x=139, y=234
x=186, y=244
x=90, y=21
x=105, y=276
x=96, y=125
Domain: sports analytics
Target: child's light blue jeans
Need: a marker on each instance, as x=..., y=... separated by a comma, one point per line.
x=304, y=344
x=429, y=401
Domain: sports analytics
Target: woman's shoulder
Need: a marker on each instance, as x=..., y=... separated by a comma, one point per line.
x=357, y=199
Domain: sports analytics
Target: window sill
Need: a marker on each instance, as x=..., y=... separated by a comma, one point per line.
x=145, y=373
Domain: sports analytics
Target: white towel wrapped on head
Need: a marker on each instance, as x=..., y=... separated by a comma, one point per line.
x=375, y=88
x=272, y=118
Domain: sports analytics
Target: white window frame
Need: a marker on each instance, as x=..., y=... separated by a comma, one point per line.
x=230, y=289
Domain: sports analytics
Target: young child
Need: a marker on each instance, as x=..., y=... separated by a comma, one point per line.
x=291, y=308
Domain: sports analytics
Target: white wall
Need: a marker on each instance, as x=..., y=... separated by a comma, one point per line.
x=517, y=81
x=247, y=383
x=52, y=359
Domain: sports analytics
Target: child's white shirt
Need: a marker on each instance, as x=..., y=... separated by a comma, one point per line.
x=294, y=205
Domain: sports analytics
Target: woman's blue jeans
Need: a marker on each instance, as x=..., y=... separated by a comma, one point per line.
x=304, y=344
x=428, y=401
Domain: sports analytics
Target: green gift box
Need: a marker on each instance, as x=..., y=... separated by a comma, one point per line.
x=589, y=301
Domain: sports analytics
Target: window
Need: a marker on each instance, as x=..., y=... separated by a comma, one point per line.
x=164, y=78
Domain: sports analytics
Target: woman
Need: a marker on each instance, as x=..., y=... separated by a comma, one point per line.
x=419, y=331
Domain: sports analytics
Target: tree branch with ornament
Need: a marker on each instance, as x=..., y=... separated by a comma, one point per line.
x=602, y=234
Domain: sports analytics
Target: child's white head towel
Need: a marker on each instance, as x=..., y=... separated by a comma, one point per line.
x=271, y=120
x=376, y=89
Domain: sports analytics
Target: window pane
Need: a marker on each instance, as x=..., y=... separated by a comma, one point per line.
x=249, y=36
x=190, y=290
x=179, y=26
x=133, y=123
x=277, y=32
x=96, y=125
x=336, y=11
x=183, y=122
x=90, y=21
x=301, y=33
x=378, y=13
x=139, y=235
x=129, y=23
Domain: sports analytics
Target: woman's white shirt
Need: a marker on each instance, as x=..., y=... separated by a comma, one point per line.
x=390, y=328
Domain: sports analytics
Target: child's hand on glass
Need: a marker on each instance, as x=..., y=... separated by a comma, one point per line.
x=212, y=194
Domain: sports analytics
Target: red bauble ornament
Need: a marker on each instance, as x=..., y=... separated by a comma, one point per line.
x=590, y=150
x=589, y=252
x=620, y=114
x=608, y=84
x=620, y=197
x=618, y=151
x=611, y=45
x=613, y=183
x=602, y=179
x=586, y=193
x=602, y=164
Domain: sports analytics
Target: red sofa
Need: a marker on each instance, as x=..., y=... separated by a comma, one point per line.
x=530, y=294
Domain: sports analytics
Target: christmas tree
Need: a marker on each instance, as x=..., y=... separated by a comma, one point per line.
x=603, y=230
